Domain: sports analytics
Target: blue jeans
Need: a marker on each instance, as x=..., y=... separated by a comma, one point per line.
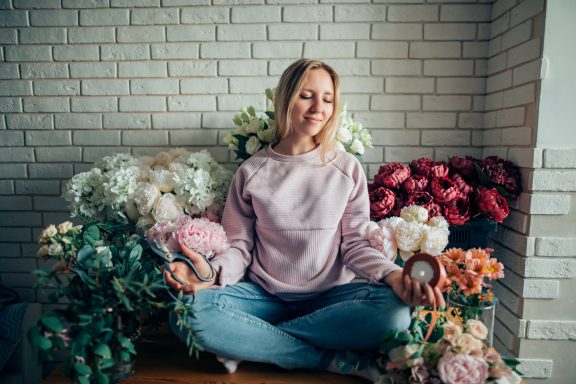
x=244, y=322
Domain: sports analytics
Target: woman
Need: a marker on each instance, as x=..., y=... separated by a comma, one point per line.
x=293, y=218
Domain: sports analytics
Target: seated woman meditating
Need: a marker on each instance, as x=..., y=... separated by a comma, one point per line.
x=282, y=293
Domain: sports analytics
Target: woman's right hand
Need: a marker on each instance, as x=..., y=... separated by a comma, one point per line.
x=185, y=273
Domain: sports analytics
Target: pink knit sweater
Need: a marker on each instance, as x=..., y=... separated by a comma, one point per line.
x=294, y=225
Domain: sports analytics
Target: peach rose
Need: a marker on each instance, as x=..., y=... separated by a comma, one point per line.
x=467, y=343
x=477, y=329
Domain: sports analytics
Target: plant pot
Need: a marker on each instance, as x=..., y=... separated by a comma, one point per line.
x=459, y=314
x=121, y=371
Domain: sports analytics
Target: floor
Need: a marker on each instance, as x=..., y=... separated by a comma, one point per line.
x=163, y=359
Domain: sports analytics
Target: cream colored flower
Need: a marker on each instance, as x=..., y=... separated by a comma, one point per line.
x=434, y=240
x=64, y=227
x=163, y=180
x=467, y=343
x=438, y=221
x=253, y=145
x=477, y=329
x=43, y=251
x=344, y=135
x=408, y=236
x=55, y=250
x=167, y=208
x=49, y=231
x=452, y=332
x=414, y=213
x=253, y=126
x=146, y=197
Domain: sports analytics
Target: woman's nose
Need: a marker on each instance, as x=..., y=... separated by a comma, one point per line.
x=316, y=104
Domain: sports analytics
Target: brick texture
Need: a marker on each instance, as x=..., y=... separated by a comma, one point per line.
x=80, y=80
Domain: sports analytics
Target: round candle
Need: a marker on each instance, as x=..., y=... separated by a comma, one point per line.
x=426, y=269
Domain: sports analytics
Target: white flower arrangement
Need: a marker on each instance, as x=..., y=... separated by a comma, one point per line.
x=148, y=189
x=409, y=233
x=253, y=131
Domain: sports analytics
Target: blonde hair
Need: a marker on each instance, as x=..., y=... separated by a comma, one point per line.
x=288, y=90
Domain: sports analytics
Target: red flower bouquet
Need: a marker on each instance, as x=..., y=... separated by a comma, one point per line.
x=460, y=189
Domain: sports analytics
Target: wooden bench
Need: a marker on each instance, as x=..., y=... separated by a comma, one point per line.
x=162, y=358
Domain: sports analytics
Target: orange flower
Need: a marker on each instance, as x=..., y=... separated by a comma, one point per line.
x=478, y=254
x=469, y=283
x=479, y=266
x=495, y=269
x=453, y=255
x=487, y=296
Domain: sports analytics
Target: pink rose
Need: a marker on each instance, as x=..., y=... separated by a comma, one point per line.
x=493, y=205
x=392, y=175
x=382, y=201
x=462, y=369
x=443, y=189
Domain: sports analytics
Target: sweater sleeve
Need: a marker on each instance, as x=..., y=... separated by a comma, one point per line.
x=238, y=221
x=357, y=253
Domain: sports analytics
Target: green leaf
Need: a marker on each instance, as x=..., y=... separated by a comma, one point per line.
x=125, y=356
x=136, y=252
x=101, y=378
x=270, y=114
x=43, y=343
x=103, y=350
x=252, y=111
x=108, y=363
x=82, y=369
x=52, y=323
x=83, y=379
x=481, y=175
x=91, y=234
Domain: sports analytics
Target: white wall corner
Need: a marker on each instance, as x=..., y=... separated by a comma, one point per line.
x=536, y=368
x=555, y=246
x=551, y=330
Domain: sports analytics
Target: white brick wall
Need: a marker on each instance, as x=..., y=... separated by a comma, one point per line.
x=83, y=79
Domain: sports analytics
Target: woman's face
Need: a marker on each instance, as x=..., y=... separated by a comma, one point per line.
x=314, y=105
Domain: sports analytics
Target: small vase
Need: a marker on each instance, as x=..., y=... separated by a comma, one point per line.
x=459, y=313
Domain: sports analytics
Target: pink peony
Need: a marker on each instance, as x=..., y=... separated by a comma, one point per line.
x=160, y=234
x=462, y=369
x=203, y=236
x=439, y=169
x=392, y=175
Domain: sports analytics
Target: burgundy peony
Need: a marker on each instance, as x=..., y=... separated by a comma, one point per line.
x=439, y=169
x=492, y=204
x=464, y=166
x=425, y=200
x=422, y=166
x=392, y=175
x=415, y=183
x=502, y=172
x=381, y=202
x=457, y=212
x=463, y=186
x=443, y=189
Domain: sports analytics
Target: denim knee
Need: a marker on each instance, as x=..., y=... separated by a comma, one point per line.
x=393, y=311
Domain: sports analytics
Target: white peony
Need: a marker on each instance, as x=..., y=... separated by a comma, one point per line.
x=408, y=236
x=434, y=240
x=167, y=208
x=414, y=213
x=438, y=221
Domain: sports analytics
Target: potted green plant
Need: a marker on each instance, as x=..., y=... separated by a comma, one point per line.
x=109, y=286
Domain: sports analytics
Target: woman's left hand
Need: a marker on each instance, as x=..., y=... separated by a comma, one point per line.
x=411, y=292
